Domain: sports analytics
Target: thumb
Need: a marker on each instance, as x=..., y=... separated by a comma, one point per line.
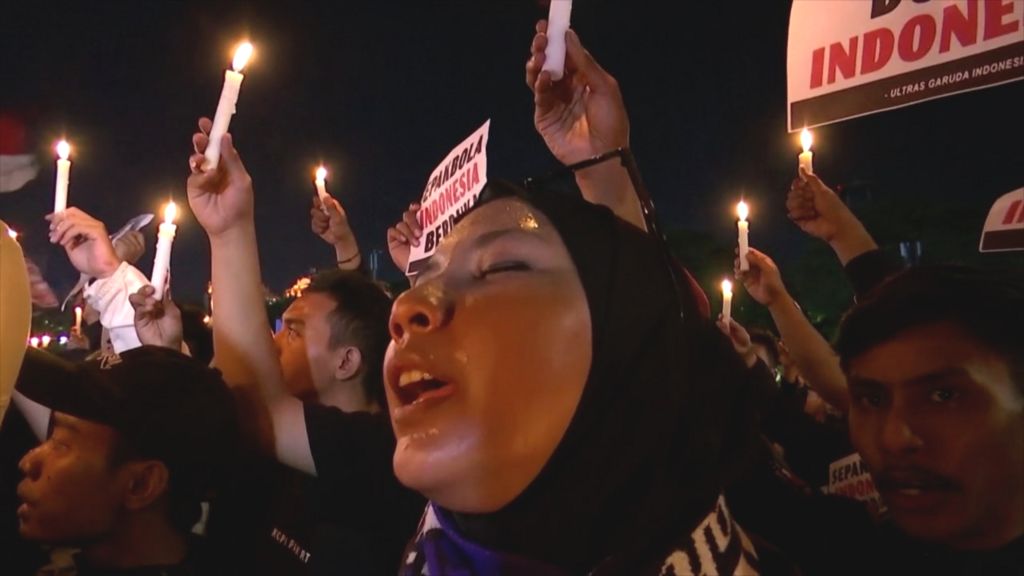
x=597, y=78
x=232, y=161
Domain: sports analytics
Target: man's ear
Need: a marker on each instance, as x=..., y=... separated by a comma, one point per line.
x=348, y=362
x=147, y=481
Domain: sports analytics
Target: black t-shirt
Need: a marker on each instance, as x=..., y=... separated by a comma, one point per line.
x=352, y=518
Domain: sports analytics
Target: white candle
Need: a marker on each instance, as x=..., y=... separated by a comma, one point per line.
x=744, y=229
x=807, y=157
x=321, y=187
x=162, y=262
x=45, y=340
x=226, y=106
x=726, y=301
x=60, y=193
x=78, y=319
x=558, y=23
x=34, y=341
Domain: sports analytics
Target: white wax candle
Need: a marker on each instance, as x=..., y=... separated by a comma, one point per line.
x=78, y=319
x=45, y=340
x=321, y=187
x=162, y=262
x=726, y=301
x=807, y=157
x=226, y=105
x=558, y=23
x=60, y=193
x=744, y=229
x=34, y=341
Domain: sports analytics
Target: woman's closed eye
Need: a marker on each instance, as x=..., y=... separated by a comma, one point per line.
x=503, y=267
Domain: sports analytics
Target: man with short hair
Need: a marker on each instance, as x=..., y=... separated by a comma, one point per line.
x=934, y=359
x=135, y=444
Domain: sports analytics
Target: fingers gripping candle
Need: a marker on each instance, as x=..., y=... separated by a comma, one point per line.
x=60, y=193
x=558, y=23
x=226, y=107
x=744, y=229
x=162, y=262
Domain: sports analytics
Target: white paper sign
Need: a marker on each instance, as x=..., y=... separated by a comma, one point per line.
x=1004, y=227
x=452, y=189
x=849, y=58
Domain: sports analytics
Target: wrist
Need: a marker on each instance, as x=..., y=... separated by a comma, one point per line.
x=781, y=302
x=851, y=241
x=107, y=268
x=241, y=233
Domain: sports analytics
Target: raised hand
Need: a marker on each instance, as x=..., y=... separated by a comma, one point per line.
x=583, y=114
x=86, y=242
x=333, y=228
x=763, y=281
x=403, y=235
x=740, y=339
x=222, y=199
x=157, y=323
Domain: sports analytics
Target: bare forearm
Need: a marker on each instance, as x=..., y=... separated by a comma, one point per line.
x=811, y=352
x=852, y=240
x=609, y=185
x=242, y=339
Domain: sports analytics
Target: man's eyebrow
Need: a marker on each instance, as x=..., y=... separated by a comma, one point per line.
x=940, y=375
x=863, y=383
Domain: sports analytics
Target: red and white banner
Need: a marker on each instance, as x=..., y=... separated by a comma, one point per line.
x=849, y=58
x=452, y=189
x=1004, y=227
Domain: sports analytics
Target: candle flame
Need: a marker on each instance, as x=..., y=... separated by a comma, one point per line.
x=321, y=174
x=34, y=341
x=806, y=139
x=742, y=210
x=78, y=310
x=12, y=233
x=726, y=287
x=45, y=340
x=242, y=54
x=170, y=212
x=63, y=149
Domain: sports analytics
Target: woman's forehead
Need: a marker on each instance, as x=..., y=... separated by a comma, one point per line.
x=502, y=214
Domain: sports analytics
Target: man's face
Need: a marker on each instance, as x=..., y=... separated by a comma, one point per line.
x=304, y=345
x=71, y=493
x=940, y=424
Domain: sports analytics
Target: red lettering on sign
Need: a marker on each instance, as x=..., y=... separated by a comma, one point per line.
x=995, y=27
x=955, y=23
x=842, y=60
x=878, y=45
x=921, y=27
x=1012, y=213
x=817, y=68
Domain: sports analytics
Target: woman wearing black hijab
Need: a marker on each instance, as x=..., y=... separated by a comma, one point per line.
x=554, y=407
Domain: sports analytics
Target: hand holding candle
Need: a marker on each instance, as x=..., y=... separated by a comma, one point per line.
x=558, y=23
x=60, y=194
x=807, y=157
x=226, y=105
x=744, y=229
x=726, y=301
x=321, y=187
x=162, y=262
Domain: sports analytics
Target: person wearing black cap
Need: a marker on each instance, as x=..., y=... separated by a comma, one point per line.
x=135, y=444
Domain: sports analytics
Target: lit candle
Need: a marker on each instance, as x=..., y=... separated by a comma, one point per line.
x=558, y=23
x=226, y=106
x=34, y=341
x=162, y=262
x=744, y=229
x=726, y=301
x=12, y=233
x=60, y=195
x=45, y=340
x=78, y=319
x=807, y=157
x=321, y=187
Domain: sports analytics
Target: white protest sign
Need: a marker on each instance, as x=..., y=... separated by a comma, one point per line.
x=849, y=477
x=849, y=58
x=1004, y=227
x=452, y=189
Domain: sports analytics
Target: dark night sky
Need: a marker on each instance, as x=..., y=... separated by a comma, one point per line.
x=380, y=91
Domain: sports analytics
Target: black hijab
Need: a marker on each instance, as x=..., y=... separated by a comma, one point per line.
x=660, y=417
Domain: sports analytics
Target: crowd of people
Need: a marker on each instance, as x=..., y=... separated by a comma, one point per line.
x=550, y=395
